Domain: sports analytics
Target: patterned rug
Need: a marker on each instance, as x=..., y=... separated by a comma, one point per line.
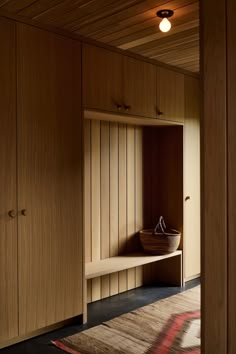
x=167, y=326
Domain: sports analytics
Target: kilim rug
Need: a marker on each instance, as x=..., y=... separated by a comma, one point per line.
x=167, y=326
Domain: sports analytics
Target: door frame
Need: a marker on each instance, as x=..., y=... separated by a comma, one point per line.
x=218, y=173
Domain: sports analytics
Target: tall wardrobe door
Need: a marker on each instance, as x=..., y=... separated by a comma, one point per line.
x=49, y=178
x=8, y=223
x=192, y=179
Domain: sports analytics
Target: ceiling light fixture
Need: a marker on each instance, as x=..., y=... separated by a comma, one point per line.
x=165, y=24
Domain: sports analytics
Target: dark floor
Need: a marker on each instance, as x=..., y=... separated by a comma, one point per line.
x=99, y=312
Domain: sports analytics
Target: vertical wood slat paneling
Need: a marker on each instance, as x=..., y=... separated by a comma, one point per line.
x=8, y=199
x=130, y=187
x=130, y=199
x=114, y=206
x=214, y=178
x=87, y=190
x=95, y=190
x=105, y=202
x=122, y=201
x=122, y=188
x=116, y=171
x=231, y=83
x=105, y=190
x=95, y=203
x=138, y=194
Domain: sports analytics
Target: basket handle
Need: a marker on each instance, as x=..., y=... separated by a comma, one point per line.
x=160, y=225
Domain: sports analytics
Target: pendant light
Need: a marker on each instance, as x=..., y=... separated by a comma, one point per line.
x=165, y=24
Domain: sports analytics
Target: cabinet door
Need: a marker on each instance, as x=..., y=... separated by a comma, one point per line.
x=102, y=78
x=49, y=178
x=8, y=225
x=170, y=95
x=139, y=88
x=191, y=179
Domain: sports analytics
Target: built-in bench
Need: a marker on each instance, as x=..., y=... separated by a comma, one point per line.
x=119, y=263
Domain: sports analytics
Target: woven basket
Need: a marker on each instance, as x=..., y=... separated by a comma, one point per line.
x=160, y=240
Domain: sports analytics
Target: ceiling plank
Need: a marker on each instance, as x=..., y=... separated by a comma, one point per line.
x=188, y=11
x=166, y=40
x=131, y=16
x=158, y=34
x=174, y=49
x=126, y=24
x=38, y=7
x=119, y=5
x=139, y=33
x=16, y=5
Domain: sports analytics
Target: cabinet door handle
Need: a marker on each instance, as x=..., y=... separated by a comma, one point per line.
x=24, y=212
x=187, y=198
x=127, y=108
x=12, y=213
x=159, y=113
x=119, y=107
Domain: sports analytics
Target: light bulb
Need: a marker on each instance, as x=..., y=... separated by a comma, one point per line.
x=165, y=25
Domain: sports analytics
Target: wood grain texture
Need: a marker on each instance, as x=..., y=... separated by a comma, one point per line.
x=168, y=271
x=139, y=87
x=170, y=95
x=128, y=119
x=87, y=191
x=112, y=212
x=49, y=178
x=122, y=188
x=192, y=255
x=128, y=24
x=231, y=110
x=105, y=190
x=102, y=78
x=130, y=188
x=163, y=191
x=214, y=177
x=138, y=179
x=95, y=191
x=114, y=189
x=8, y=201
x=127, y=261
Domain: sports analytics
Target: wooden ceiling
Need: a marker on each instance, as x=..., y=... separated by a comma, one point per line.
x=127, y=24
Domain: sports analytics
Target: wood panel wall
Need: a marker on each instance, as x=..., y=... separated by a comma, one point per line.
x=163, y=176
x=214, y=178
x=49, y=183
x=8, y=200
x=192, y=222
x=231, y=89
x=113, y=187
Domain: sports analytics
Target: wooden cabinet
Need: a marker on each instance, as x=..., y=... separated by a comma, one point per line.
x=49, y=178
x=8, y=224
x=170, y=95
x=102, y=79
x=118, y=83
x=41, y=181
x=191, y=179
x=139, y=88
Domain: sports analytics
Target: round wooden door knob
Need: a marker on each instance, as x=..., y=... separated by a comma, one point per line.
x=24, y=212
x=12, y=213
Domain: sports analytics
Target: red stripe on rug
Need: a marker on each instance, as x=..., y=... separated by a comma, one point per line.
x=62, y=346
x=172, y=332
x=196, y=351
